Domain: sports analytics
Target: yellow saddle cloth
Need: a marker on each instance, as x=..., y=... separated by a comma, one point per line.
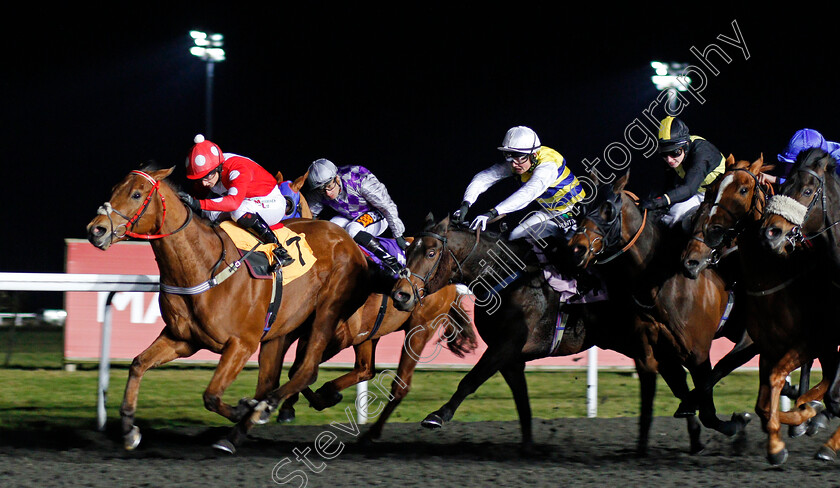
x=293, y=242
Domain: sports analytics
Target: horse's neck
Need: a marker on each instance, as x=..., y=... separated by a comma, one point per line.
x=187, y=257
x=492, y=256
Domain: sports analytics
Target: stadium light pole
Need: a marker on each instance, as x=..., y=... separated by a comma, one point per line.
x=669, y=77
x=208, y=47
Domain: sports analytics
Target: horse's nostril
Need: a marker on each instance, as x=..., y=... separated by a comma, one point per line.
x=772, y=233
x=691, y=263
x=400, y=296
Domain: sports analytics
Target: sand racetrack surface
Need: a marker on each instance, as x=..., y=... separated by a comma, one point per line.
x=571, y=452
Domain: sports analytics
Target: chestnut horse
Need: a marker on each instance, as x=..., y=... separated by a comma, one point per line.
x=519, y=316
x=229, y=316
x=677, y=317
x=440, y=313
x=785, y=300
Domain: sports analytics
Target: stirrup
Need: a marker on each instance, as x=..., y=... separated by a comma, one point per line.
x=283, y=257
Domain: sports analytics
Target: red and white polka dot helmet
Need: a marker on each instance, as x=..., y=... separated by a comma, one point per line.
x=204, y=158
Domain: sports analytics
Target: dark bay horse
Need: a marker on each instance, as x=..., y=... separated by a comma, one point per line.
x=785, y=300
x=229, y=318
x=677, y=316
x=439, y=314
x=518, y=315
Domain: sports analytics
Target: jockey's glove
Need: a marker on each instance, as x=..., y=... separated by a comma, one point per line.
x=190, y=201
x=661, y=201
x=481, y=220
x=460, y=216
x=402, y=243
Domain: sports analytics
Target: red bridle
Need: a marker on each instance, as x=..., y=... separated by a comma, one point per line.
x=131, y=221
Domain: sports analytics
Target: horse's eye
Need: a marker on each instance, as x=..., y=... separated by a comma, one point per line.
x=136, y=195
x=430, y=254
x=808, y=192
x=743, y=190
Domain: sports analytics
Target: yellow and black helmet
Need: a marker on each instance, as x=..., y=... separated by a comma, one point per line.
x=673, y=134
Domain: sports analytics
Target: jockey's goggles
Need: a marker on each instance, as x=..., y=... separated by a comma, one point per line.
x=673, y=153
x=512, y=157
x=330, y=186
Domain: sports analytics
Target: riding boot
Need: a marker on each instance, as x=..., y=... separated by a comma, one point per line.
x=372, y=244
x=254, y=223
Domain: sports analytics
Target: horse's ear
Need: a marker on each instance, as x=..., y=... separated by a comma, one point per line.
x=756, y=166
x=162, y=174
x=279, y=177
x=621, y=182
x=443, y=225
x=730, y=161
x=594, y=177
x=430, y=222
x=299, y=182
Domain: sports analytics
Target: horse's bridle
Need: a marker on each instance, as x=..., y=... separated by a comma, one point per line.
x=740, y=222
x=406, y=273
x=796, y=235
x=611, y=237
x=106, y=209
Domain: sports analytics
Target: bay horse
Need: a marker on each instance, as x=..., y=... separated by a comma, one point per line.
x=229, y=317
x=440, y=313
x=518, y=315
x=676, y=316
x=785, y=301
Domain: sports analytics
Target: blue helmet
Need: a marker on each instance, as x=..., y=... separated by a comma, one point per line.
x=803, y=139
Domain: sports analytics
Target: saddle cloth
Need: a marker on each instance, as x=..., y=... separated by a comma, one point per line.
x=294, y=243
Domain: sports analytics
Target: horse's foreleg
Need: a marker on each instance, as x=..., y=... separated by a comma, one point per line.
x=494, y=358
x=329, y=394
x=647, y=390
x=161, y=351
x=776, y=451
x=402, y=383
x=701, y=374
x=514, y=375
x=233, y=358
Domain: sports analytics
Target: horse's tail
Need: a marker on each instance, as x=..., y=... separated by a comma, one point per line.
x=459, y=335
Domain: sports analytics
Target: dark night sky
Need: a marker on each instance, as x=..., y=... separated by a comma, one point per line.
x=421, y=96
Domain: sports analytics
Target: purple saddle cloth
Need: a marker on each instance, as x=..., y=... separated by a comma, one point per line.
x=389, y=245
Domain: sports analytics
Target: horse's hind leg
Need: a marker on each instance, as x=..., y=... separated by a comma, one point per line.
x=163, y=350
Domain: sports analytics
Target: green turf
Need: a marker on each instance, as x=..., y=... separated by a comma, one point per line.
x=37, y=391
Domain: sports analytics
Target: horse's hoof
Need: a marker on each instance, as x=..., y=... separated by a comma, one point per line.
x=825, y=453
x=697, y=449
x=795, y=431
x=328, y=396
x=778, y=458
x=684, y=411
x=432, y=421
x=261, y=414
x=132, y=439
x=817, y=423
x=286, y=415
x=225, y=445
